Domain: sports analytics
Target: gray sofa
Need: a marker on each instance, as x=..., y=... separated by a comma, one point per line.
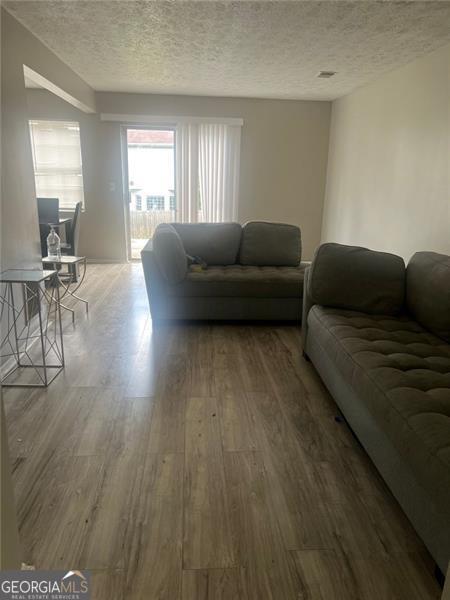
x=378, y=334
x=249, y=272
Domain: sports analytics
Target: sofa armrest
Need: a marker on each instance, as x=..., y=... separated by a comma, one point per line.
x=305, y=264
x=358, y=279
x=307, y=305
x=155, y=282
x=169, y=253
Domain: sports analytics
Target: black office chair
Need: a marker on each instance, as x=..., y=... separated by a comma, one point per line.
x=70, y=246
x=48, y=210
x=48, y=213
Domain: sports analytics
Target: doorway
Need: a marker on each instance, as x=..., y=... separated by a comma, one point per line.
x=151, y=184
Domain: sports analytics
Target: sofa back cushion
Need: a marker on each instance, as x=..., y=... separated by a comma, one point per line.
x=428, y=292
x=215, y=243
x=169, y=252
x=270, y=244
x=357, y=279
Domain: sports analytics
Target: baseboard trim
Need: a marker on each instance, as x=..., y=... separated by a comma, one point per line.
x=106, y=261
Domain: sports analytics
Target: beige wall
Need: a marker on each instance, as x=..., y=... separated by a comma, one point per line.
x=388, y=168
x=283, y=153
x=283, y=160
x=102, y=233
x=19, y=225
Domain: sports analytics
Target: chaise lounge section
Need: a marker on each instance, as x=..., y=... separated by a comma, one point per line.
x=223, y=271
x=379, y=336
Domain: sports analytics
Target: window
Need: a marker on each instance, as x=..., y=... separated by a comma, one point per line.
x=172, y=205
x=57, y=161
x=155, y=202
x=138, y=202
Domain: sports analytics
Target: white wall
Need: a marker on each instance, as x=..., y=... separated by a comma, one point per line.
x=283, y=160
x=284, y=153
x=103, y=209
x=20, y=246
x=388, y=169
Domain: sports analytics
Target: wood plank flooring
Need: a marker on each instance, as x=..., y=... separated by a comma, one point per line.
x=200, y=462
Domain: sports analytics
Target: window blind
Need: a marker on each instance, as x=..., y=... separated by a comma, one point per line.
x=207, y=170
x=57, y=161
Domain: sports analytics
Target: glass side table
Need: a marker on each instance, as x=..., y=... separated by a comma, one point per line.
x=31, y=338
x=72, y=263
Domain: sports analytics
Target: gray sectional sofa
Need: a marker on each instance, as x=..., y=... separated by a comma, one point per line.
x=378, y=334
x=224, y=271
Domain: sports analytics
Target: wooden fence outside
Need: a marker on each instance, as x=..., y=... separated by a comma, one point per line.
x=144, y=222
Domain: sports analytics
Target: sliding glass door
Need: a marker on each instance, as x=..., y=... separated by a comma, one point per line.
x=150, y=156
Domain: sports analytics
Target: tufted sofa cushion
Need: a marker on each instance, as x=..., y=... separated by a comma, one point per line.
x=356, y=278
x=402, y=373
x=274, y=244
x=242, y=281
x=428, y=291
x=215, y=243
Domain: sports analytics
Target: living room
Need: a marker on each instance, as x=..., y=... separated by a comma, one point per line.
x=251, y=396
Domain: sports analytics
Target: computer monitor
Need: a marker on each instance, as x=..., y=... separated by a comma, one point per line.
x=48, y=210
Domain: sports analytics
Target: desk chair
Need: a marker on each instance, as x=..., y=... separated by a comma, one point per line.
x=73, y=234
x=48, y=213
x=70, y=247
x=48, y=210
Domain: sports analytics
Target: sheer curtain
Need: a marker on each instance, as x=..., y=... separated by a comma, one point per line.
x=207, y=171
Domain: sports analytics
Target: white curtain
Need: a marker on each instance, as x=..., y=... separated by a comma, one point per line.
x=186, y=151
x=208, y=156
x=219, y=150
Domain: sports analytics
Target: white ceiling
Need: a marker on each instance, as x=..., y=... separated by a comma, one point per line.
x=247, y=49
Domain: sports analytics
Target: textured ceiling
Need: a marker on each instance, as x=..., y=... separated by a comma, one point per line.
x=254, y=49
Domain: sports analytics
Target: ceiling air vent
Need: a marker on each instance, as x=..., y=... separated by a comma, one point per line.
x=326, y=74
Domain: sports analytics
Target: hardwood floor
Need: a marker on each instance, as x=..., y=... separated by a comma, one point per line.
x=200, y=462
